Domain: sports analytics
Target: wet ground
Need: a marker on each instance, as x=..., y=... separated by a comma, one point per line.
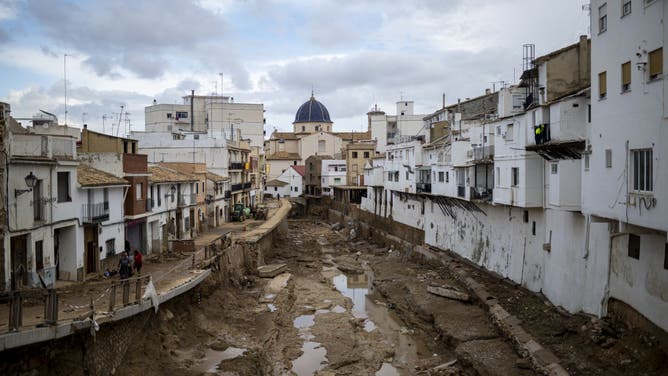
x=344, y=307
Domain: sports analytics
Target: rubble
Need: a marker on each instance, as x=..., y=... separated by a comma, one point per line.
x=448, y=292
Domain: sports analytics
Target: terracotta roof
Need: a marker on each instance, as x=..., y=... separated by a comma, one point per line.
x=215, y=177
x=162, y=174
x=88, y=176
x=185, y=167
x=355, y=136
x=320, y=157
x=276, y=183
x=284, y=155
x=284, y=135
x=301, y=169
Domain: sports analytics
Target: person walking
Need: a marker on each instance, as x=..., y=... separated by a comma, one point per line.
x=124, y=266
x=138, y=261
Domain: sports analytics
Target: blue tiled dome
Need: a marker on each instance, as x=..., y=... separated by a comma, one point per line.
x=312, y=112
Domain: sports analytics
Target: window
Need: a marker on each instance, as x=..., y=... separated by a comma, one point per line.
x=602, y=18
x=509, y=132
x=588, y=113
x=626, y=76
x=64, y=187
x=406, y=175
x=634, y=246
x=498, y=130
x=181, y=115
x=111, y=246
x=39, y=255
x=608, y=158
x=354, y=154
x=665, y=256
x=655, y=64
x=338, y=180
x=554, y=168
x=396, y=176
x=275, y=189
x=37, y=201
x=139, y=191
x=303, y=128
x=169, y=115
x=626, y=7
x=586, y=162
x=447, y=176
x=322, y=146
x=515, y=176
x=525, y=216
x=366, y=154
x=602, y=85
x=105, y=195
x=517, y=101
x=642, y=172
x=159, y=196
x=441, y=176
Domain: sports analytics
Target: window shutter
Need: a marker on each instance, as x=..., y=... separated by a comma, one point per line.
x=626, y=75
x=602, y=85
x=655, y=63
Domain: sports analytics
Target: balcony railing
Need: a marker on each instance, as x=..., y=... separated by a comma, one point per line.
x=149, y=204
x=461, y=191
x=424, y=187
x=482, y=193
x=483, y=152
x=246, y=185
x=236, y=166
x=236, y=187
x=95, y=212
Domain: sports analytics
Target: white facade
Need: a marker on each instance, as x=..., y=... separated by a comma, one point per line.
x=391, y=129
x=219, y=116
x=624, y=179
x=401, y=161
x=333, y=173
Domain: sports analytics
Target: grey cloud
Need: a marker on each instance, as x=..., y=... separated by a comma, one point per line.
x=4, y=35
x=138, y=34
x=48, y=51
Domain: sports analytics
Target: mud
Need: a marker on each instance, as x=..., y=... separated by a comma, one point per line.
x=346, y=308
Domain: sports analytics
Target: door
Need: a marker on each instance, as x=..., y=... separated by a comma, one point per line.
x=56, y=253
x=19, y=261
x=90, y=239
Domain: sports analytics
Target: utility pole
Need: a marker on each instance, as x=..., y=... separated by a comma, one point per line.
x=83, y=117
x=104, y=117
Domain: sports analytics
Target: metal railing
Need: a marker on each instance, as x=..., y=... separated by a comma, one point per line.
x=424, y=187
x=236, y=187
x=95, y=212
x=236, y=166
x=482, y=193
x=246, y=185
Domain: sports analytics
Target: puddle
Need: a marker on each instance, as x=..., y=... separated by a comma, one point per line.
x=314, y=357
x=378, y=317
x=387, y=370
x=213, y=358
x=272, y=307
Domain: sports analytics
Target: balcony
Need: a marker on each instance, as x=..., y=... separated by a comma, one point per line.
x=236, y=187
x=95, y=212
x=423, y=187
x=482, y=193
x=149, y=204
x=483, y=153
x=568, y=146
x=246, y=185
x=236, y=166
x=183, y=200
x=42, y=146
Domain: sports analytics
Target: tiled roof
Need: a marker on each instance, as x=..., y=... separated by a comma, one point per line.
x=283, y=135
x=301, y=169
x=284, y=155
x=214, y=177
x=276, y=183
x=162, y=174
x=355, y=136
x=88, y=176
x=185, y=167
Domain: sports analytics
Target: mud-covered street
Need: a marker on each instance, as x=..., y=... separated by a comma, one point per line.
x=348, y=307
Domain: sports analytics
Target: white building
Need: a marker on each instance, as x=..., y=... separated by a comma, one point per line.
x=42, y=239
x=289, y=184
x=389, y=129
x=333, y=173
x=218, y=116
x=624, y=198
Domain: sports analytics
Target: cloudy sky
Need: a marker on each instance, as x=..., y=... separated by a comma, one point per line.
x=353, y=53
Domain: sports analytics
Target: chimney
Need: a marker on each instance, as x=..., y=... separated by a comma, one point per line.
x=443, y=100
x=192, y=110
x=488, y=91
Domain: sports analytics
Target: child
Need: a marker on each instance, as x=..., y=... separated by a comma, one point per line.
x=138, y=261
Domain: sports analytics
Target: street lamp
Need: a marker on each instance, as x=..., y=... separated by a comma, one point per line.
x=31, y=181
